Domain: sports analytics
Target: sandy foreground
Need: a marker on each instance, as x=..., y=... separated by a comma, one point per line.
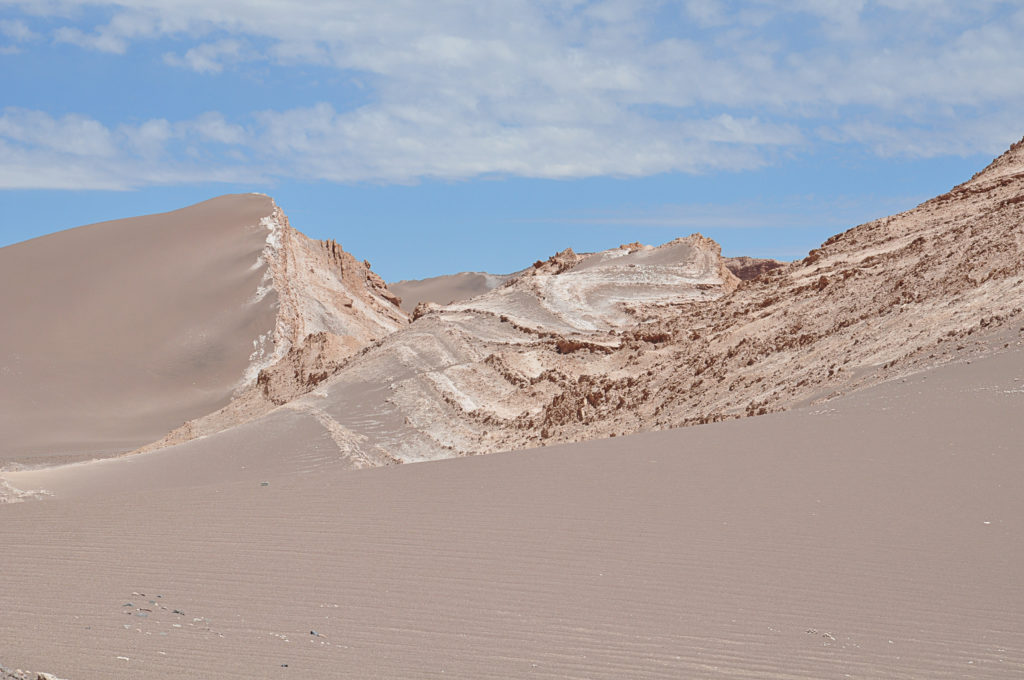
x=875, y=536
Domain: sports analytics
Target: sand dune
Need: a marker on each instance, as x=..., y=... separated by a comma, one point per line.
x=443, y=290
x=875, y=537
x=121, y=331
x=118, y=332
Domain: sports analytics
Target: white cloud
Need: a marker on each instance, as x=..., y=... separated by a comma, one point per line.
x=213, y=127
x=76, y=152
x=573, y=88
x=70, y=135
x=123, y=28
x=707, y=12
x=148, y=139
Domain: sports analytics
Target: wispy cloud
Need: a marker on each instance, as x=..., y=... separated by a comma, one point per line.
x=75, y=152
x=208, y=57
x=17, y=30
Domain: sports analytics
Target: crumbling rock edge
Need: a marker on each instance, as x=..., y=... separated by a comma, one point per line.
x=329, y=306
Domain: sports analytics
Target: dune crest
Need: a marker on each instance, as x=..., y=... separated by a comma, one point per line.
x=330, y=306
x=122, y=330
x=114, y=332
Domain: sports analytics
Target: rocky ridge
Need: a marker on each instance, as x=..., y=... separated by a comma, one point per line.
x=549, y=358
x=636, y=338
x=330, y=305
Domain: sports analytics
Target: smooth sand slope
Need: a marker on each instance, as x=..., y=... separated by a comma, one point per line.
x=875, y=537
x=444, y=289
x=116, y=332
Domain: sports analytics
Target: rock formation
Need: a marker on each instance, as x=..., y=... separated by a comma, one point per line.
x=580, y=346
x=747, y=268
x=329, y=306
x=640, y=338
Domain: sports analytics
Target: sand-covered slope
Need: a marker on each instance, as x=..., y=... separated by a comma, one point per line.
x=443, y=290
x=115, y=333
x=874, y=537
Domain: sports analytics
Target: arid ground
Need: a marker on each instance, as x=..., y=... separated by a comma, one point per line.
x=701, y=467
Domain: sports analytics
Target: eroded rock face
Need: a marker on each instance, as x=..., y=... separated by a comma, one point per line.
x=320, y=289
x=747, y=268
x=634, y=338
x=494, y=371
x=329, y=307
x=571, y=293
x=639, y=338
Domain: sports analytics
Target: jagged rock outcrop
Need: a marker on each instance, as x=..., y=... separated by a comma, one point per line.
x=571, y=293
x=320, y=289
x=880, y=300
x=468, y=377
x=330, y=305
x=638, y=338
x=635, y=338
x=747, y=268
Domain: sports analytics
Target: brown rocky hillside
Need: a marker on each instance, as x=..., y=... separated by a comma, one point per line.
x=638, y=338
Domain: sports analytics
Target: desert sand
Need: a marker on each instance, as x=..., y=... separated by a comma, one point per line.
x=863, y=524
x=873, y=537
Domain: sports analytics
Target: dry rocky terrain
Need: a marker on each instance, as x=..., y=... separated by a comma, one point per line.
x=584, y=346
x=638, y=338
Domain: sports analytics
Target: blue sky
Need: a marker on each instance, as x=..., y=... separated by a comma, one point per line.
x=432, y=137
